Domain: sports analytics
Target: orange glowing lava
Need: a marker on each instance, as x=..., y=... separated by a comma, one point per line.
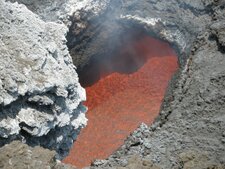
x=119, y=102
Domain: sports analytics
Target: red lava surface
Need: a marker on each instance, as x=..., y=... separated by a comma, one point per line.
x=119, y=102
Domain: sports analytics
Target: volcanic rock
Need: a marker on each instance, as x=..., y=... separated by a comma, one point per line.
x=17, y=155
x=63, y=10
x=40, y=96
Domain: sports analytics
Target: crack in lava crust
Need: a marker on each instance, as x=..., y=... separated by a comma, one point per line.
x=122, y=99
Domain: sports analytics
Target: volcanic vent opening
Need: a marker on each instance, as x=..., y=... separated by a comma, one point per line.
x=125, y=87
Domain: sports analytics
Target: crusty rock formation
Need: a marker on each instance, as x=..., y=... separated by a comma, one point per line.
x=77, y=15
x=63, y=10
x=17, y=155
x=40, y=96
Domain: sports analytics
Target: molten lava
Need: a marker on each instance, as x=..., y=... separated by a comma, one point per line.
x=127, y=90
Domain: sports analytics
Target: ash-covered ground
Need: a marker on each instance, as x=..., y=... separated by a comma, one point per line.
x=189, y=132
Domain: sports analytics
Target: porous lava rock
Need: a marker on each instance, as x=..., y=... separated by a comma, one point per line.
x=64, y=10
x=17, y=155
x=40, y=96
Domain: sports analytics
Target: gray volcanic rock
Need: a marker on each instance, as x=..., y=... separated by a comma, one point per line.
x=62, y=10
x=77, y=15
x=40, y=96
x=17, y=155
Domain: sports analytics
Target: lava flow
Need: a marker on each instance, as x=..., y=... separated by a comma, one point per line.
x=127, y=90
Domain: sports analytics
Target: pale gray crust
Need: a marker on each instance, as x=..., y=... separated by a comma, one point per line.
x=17, y=155
x=40, y=96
